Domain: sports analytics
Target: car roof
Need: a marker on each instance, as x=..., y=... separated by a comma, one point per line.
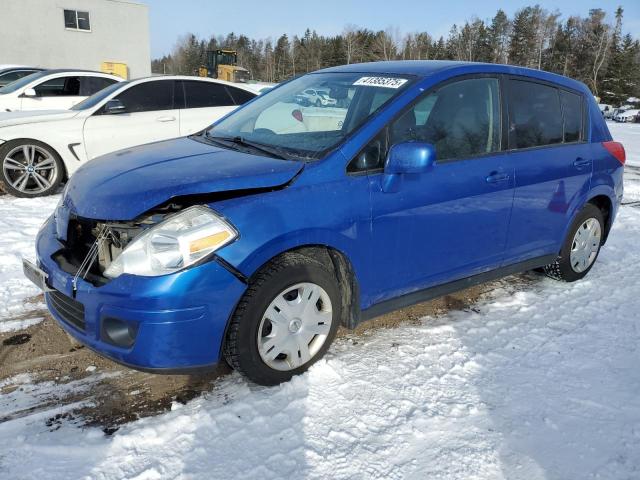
x=53, y=71
x=428, y=68
x=191, y=77
x=18, y=67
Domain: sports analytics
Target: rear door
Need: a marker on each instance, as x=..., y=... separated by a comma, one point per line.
x=553, y=165
x=149, y=116
x=205, y=102
x=450, y=222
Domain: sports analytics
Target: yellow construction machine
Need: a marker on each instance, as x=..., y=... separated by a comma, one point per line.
x=223, y=64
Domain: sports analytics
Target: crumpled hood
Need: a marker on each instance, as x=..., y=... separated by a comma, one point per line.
x=8, y=119
x=125, y=184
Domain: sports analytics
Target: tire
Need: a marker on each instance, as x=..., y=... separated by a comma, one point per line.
x=570, y=268
x=250, y=331
x=29, y=168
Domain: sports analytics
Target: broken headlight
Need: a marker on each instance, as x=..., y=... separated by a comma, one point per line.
x=173, y=244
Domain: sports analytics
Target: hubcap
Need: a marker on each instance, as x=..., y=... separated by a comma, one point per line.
x=29, y=169
x=295, y=326
x=586, y=243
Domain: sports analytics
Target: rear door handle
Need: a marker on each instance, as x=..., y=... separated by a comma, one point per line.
x=497, y=177
x=581, y=163
x=168, y=118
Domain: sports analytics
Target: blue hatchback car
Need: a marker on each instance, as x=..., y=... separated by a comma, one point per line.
x=254, y=240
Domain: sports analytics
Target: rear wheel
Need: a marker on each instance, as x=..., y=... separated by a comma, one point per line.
x=30, y=169
x=581, y=247
x=285, y=321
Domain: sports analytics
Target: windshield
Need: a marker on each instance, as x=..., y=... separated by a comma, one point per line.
x=97, y=97
x=22, y=82
x=286, y=120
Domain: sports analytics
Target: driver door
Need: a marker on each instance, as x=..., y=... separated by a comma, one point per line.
x=149, y=116
x=450, y=222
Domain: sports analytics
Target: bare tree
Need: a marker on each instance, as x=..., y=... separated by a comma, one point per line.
x=351, y=42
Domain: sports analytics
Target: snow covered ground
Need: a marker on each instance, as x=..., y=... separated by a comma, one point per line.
x=538, y=380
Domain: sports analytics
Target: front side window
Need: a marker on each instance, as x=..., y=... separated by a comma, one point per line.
x=277, y=120
x=76, y=20
x=148, y=96
x=460, y=119
x=59, y=87
x=206, y=94
x=572, y=115
x=535, y=115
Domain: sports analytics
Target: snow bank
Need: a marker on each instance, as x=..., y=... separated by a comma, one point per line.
x=20, y=220
x=539, y=381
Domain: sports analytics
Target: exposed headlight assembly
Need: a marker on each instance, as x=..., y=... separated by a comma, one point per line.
x=173, y=244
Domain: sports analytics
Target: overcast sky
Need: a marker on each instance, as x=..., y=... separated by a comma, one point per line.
x=261, y=19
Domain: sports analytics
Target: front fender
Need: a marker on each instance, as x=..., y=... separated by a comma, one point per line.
x=335, y=214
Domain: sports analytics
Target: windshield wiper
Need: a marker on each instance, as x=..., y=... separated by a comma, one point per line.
x=242, y=142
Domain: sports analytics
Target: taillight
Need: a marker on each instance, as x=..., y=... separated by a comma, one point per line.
x=617, y=150
x=297, y=114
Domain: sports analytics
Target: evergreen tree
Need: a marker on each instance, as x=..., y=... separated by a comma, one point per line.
x=586, y=48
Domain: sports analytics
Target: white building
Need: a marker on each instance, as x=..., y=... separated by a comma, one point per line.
x=83, y=34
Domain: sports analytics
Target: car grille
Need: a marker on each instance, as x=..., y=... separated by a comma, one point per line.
x=71, y=311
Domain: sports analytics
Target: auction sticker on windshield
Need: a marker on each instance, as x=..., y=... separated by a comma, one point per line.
x=386, y=82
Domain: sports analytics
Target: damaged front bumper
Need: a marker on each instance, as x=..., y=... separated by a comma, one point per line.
x=166, y=324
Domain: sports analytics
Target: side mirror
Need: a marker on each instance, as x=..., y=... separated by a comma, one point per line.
x=29, y=92
x=114, y=106
x=406, y=158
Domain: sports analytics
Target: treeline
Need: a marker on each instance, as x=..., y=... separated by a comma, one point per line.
x=593, y=49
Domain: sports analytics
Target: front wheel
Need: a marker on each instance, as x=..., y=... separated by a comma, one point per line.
x=581, y=247
x=30, y=169
x=285, y=321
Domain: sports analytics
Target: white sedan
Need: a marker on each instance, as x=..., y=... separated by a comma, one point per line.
x=627, y=116
x=38, y=150
x=53, y=89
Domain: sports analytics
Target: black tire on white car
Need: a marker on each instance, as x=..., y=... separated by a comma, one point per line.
x=29, y=168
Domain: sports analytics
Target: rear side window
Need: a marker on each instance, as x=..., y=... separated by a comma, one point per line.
x=535, y=115
x=206, y=94
x=59, y=87
x=91, y=85
x=148, y=96
x=572, y=114
x=240, y=96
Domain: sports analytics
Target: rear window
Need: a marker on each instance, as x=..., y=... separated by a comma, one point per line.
x=535, y=115
x=572, y=114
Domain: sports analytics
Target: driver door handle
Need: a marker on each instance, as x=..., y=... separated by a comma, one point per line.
x=167, y=118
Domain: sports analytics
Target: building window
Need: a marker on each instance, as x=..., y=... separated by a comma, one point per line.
x=76, y=20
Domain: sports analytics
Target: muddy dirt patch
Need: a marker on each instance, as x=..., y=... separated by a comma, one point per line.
x=108, y=395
